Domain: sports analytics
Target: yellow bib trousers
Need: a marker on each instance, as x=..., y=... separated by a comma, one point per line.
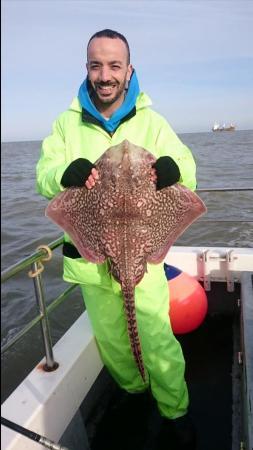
x=162, y=354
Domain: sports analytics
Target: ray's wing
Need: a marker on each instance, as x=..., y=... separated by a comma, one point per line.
x=173, y=210
x=73, y=210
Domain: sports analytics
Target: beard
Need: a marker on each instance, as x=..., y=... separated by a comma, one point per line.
x=99, y=99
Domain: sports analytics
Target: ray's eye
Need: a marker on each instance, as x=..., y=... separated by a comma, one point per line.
x=136, y=179
x=114, y=178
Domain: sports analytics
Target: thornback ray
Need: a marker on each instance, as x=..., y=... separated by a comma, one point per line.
x=124, y=219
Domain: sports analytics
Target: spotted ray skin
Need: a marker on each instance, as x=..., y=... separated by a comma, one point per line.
x=126, y=220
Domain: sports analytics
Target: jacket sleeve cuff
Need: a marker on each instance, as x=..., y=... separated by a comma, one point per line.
x=49, y=184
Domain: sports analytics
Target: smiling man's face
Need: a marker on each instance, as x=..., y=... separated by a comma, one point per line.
x=108, y=71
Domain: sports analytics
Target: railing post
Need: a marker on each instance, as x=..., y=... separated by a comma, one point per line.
x=45, y=328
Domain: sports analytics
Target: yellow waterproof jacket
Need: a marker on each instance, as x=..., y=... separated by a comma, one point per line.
x=74, y=138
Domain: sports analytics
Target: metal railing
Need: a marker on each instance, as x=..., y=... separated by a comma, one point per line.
x=227, y=189
x=34, y=261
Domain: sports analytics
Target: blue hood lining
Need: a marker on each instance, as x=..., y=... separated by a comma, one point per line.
x=126, y=107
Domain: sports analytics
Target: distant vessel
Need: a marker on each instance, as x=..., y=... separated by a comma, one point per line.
x=218, y=127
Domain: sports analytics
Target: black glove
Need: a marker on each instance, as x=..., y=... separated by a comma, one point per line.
x=167, y=172
x=77, y=173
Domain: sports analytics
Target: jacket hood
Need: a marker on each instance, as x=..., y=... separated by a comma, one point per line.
x=142, y=101
x=123, y=111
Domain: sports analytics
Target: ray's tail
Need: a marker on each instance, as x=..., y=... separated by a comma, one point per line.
x=129, y=303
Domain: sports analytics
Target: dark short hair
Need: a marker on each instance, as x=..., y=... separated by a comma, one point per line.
x=111, y=35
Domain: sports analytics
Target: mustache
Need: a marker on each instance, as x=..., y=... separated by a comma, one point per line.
x=105, y=83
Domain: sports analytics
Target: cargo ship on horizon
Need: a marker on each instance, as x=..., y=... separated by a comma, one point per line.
x=224, y=127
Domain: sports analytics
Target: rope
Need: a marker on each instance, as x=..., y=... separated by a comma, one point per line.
x=48, y=250
x=47, y=257
x=40, y=269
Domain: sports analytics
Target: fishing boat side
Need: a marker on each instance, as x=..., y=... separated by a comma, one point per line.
x=46, y=402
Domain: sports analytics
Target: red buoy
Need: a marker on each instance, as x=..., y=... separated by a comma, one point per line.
x=188, y=301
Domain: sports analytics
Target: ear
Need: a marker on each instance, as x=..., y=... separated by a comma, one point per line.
x=129, y=71
x=87, y=68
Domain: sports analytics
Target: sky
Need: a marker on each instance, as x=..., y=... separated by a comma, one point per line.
x=194, y=58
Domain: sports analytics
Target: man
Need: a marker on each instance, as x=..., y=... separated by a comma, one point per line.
x=110, y=108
